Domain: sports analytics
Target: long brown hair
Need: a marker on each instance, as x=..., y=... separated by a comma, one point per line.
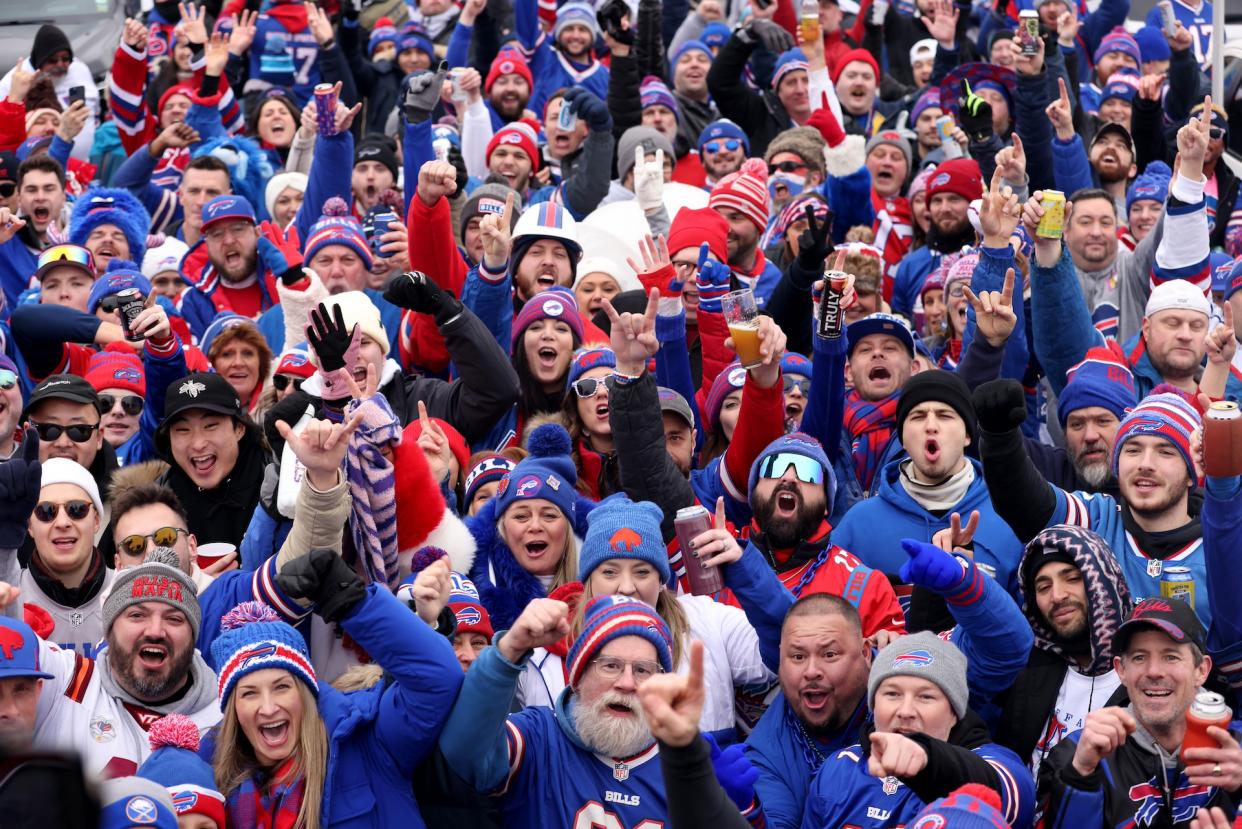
x=667, y=605
x=235, y=760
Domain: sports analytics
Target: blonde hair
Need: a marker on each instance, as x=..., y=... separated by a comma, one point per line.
x=667, y=606
x=567, y=568
x=235, y=760
x=358, y=677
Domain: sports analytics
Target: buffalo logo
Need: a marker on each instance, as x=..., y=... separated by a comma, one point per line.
x=1149, y=797
x=510, y=138
x=939, y=181
x=215, y=208
x=553, y=308
x=502, y=486
x=129, y=375
x=51, y=383
x=527, y=487
x=294, y=360
x=737, y=377
x=914, y=659
x=192, y=388
x=258, y=652
x=11, y=641
x=506, y=68
x=625, y=540
x=468, y=615
x=185, y=800
x=460, y=584
x=930, y=822
x=492, y=206
x=141, y=810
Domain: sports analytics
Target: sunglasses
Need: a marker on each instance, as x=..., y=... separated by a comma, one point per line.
x=730, y=144
x=588, y=386
x=7, y=379
x=7, y=189
x=1216, y=133
x=46, y=511
x=136, y=545
x=786, y=167
x=78, y=432
x=802, y=384
x=282, y=381
x=131, y=404
x=808, y=470
x=67, y=253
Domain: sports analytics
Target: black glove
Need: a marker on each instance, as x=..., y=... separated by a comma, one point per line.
x=329, y=337
x=610, y=17
x=415, y=291
x=767, y=34
x=1000, y=406
x=290, y=410
x=324, y=578
x=586, y=105
x=976, y=116
x=421, y=92
x=459, y=167
x=20, y=483
x=815, y=243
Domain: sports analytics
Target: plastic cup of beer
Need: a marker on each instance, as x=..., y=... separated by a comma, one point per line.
x=742, y=316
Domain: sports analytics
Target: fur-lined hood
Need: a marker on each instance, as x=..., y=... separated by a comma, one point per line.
x=139, y=474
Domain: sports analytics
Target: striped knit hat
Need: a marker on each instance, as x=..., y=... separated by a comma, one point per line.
x=337, y=227
x=611, y=617
x=585, y=359
x=384, y=32
x=117, y=370
x=730, y=378
x=488, y=469
x=1165, y=415
x=654, y=92
x=790, y=61
x=745, y=191
x=175, y=765
x=253, y=638
x=1102, y=379
x=555, y=303
x=468, y=610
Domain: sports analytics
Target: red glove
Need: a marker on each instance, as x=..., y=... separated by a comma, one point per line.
x=287, y=246
x=40, y=621
x=664, y=278
x=823, y=120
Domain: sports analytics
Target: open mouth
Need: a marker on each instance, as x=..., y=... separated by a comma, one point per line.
x=885, y=176
x=619, y=709
x=42, y=215
x=786, y=503
x=233, y=259
x=203, y=464
x=879, y=373
x=815, y=698
x=1157, y=693
x=601, y=411
x=547, y=357
x=152, y=656
x=274, y=734
x=561, y=141
x=536, y=549
x=793, y=410
x=65, y=543
x=931, y=450
x=546, y=277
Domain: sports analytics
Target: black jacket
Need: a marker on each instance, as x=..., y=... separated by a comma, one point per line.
x=759, y=114
x=222, y=514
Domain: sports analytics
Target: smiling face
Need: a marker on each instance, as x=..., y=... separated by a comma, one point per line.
x=64, y=546
x=205, y=445
x=549, y=346
x=145, y=520
x=1089, y=435
x=1110, y=62
x=575, y=40
x=934, y=436
x=286, y=206
x=823, y=670
x=1176, y=342
x=743, y=235
x=509, y=96
x=68, y=413
x=856, y=87
x=68, y=286
x=690, y=73
x=1162, y=678
x=1005, y=50
x=150, y=649
x=512, y=164
x=537, y=534
x=276, y=125
x=1091, y=233
x=40, y=197
x=948, y=212
x=107, y=242
x=1062, y=599
x=545, y=263
x=593, y=289
x=879, y=365
x=237, y=361
x=1112, y=158
x=269, y=711
x=888, y=168
x=925, y=128
x=608, y=715
x=118, y=426
x=233, y=249
x=1116, y=111
x=1153, y=477
x=1143, y=217
x=912, y=705
x=719, y=161
x=793, y=94
x=175, y=109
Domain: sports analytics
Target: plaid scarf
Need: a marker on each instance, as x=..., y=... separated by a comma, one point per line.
x=870, y=425
x=373, y=505
x=259, y=804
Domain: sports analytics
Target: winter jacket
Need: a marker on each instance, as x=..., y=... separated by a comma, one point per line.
x=1221, y=520
x=551, y=69
x=19, y=259
x=1136, y=785
x=873, y=529
x=845, y=794
x=379, y=82
x=78, y=74
x=760, y=114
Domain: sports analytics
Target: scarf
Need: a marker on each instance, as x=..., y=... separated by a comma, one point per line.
x=939, y=497
x=372, y=498
x=870, y=425
x=435, y=25
x=200, y=694
x=56, y=590
x=259, y=804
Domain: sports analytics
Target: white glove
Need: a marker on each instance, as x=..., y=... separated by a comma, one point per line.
x=649, y=180
x=879, y=10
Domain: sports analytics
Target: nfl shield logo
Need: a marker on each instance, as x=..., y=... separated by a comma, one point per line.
x=1154, y=567
x=621, y=771
x=890, y=785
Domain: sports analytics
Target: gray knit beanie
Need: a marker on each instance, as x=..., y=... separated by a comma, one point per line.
x=646, y=137
x=927, y=656
x=158, y=579
x=487, y=199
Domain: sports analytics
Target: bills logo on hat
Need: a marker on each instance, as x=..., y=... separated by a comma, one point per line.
x=261, y=652
x=184, y=800
x=930, y=822
x=141, y=810
x=218, y=206
x=491, y=206
x=294, y=360
x=468, y=615
x=367, y=152
x=553, y=308
x=528, y=486
x=915, y=659
x=129, y=375
x=939, y=181
x=737, y=377
x=507, y=67
x=625, y=540
x=11, y=641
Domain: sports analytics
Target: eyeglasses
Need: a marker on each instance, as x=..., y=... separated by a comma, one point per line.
x=808, y=470
x=7, y=189
x=684, y=268
x=588, y=386
x=793, y=381
x=131, y=404
x=730, y=144
x=136, y=545
x=611, y=667
x=78, y=432
x=7, y=379
x=282, y=381
x=957, y=290
x=46, y=511
x=73, y=254
x=786, y=167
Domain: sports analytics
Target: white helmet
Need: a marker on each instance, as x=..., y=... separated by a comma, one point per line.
x=546, y=220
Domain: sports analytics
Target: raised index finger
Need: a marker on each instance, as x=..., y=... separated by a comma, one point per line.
x=1064, y=91
x=720, y=514
x=509, y=210
x=1007, y=289
x=424, y=421
x=696, y=667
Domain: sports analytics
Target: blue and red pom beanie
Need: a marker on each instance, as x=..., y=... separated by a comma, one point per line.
x=556, y=303
x=174, y=764
x=548, y=473
x=1102, y=379
x=611, y=617
x=1151, y=185
x=621, y=528
x=253, y=638
x=731, y=378
x=973, y=806
x=1165, y=415
x=337, y=227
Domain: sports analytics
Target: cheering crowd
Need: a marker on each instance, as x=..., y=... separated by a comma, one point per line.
x=622, y=415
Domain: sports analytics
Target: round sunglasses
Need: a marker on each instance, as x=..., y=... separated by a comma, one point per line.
x=136, y=545
x=131, y=404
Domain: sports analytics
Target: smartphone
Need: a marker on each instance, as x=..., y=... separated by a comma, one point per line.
x=1168, y=18
x=77, y=93
x=566, y=118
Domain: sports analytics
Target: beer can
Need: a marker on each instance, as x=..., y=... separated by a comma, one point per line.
x=1168, y=18
x=458, y=95
x=1178, y=583
x=948, y=144
x=1052, y=224
x=1028, y=21
x=689, y=523
x=831, y=319
x=375, y=225
x=325, y=108
x=1222, y=439
x=130, y=303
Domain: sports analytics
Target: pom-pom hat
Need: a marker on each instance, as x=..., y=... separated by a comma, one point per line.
x=610, y=617
x=121, y=275
x=174, y=764
x=745, y=191
x=548, y=473
x=973, y=806
x=488, y=469
x=253, y=638
x=337, y=227
x=467, y=608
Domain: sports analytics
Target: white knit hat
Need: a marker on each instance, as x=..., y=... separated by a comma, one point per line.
x=357, y=309
x=624, y=277
x=1177, y=294
x=65, y=471
x=165, y=257
x=277, y=184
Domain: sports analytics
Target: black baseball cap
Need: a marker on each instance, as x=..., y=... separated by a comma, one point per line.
x=1173, y=617
x=204, y=390
x=1117, y=129
x=8, y=166
x=62, y=387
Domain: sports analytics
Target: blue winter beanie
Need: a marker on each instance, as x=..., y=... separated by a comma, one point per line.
x=384, y=32
x=795, y=363
x=723, y=128
x=547, y=473
x=175, y=765
x=1102, y=379
x=689, y=46
x=611, y=617
x=1152, y=184
x=621, y=528
x=1152, y=44
x=972, y=806
x=715, y=34
x=796, y=443
x=276, y=59
x=253, y=638
x=120, y=275
x=111, y=206
x=585, y=359
x=219, y=325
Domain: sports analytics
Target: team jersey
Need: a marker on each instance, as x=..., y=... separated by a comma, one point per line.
x=79, y=629
x=1198, y=23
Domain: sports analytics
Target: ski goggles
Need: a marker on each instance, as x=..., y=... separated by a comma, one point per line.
x=808, y=470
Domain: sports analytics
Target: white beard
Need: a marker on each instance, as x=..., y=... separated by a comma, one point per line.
x=608, y=735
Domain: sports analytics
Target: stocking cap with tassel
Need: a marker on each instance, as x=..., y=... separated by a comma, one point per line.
x=175, y=765
x=422, y=518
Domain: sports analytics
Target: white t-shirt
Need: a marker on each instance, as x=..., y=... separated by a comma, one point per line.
x=1079, y=696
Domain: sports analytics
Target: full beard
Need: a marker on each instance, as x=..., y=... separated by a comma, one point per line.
x=249, y=261
x=782, y=533
x=951, y=240
x=609, y=735
x=143, y=684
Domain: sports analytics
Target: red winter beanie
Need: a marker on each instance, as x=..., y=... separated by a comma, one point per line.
x=859, y=55
x=693, y=226
x=960, y=176
x=745, y=191
x=508, y=62
x=117, y=370
x=518, y=134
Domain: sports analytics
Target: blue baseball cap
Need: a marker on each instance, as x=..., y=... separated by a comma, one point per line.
x=227, y=208
x=19, y=651
x=888, y=324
